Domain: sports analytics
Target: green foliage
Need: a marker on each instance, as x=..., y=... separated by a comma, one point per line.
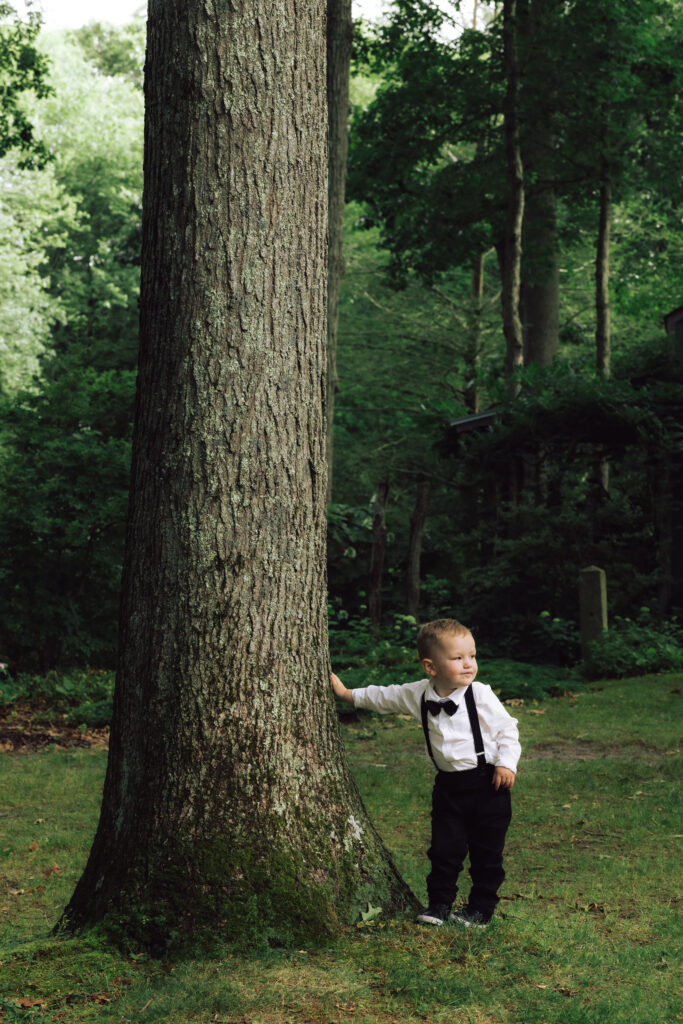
x=76, y=692
x=431, y=173
x=364, y=657
x=64, y=480
x=94, y=126
x=115, y=50
x=636, y=647
x=22, y=69
x=66, y=439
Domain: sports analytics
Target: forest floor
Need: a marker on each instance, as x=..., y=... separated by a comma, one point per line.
x=586, y=932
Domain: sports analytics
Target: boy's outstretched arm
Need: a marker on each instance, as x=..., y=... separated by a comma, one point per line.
x=341, y=691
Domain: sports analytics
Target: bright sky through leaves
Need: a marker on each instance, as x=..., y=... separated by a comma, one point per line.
x=74, y=13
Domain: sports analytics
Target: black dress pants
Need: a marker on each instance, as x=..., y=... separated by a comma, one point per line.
x=468, y=816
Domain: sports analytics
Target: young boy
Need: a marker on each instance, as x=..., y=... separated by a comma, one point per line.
x=474, y=745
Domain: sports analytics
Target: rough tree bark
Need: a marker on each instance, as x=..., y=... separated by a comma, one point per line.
x=227, y=803
x=339, y=40
x=512, y=324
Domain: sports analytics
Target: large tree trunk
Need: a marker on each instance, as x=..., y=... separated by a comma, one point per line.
x=227, y=798
x=417, y=525
x=512, y=324
x=339, y=39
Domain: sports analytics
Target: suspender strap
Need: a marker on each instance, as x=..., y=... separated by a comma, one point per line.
x=474, y=723
x=423, y=710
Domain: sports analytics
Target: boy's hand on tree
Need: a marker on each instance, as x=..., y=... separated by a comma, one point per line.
x=503, y=778
x=340, y=690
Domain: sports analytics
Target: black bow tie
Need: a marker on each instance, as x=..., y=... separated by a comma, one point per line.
x=435, y=706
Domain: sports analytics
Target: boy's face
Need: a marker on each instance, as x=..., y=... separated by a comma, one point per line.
x=453, y=663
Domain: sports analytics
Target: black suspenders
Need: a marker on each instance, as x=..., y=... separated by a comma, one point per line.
x=425, y=727
x=474, y=725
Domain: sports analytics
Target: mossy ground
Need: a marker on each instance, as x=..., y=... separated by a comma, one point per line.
x=586, y=931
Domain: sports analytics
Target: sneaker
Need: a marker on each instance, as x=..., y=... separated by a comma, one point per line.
x=436, y=913
x=470, y=918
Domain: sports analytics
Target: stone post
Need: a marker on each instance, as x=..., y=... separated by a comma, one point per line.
x=593, y=605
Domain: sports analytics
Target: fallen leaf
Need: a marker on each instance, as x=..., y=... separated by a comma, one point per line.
x=34, y=846
x=541, y=711
x=27, y=1003
x=54, y=870
x=371, y=913
x=16, y=892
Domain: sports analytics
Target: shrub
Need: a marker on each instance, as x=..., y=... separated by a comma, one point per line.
x=63, y=692
x=636, y=647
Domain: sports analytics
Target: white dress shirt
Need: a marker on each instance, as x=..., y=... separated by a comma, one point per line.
x=451, y=736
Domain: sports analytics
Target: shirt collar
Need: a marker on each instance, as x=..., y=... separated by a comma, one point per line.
x=456, y=696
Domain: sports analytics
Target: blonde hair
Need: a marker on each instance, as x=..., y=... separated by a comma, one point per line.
x=431, y=633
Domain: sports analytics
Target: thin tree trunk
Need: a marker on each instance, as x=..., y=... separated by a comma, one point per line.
x=379, y=543
x=227, y=797
x=665, y=533
x=512, y=324
x=603, y=342
x=417, y=523
x=339, y=40
x=473, y=347
x=541, y=287
x=540, y=266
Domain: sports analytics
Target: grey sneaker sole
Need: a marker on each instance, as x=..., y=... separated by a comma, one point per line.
x=467, y=922
x=429, y=919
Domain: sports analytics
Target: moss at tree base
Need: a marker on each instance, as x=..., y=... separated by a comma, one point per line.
x=251, y=901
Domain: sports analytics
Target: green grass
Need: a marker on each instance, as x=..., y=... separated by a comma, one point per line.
x=586, y=932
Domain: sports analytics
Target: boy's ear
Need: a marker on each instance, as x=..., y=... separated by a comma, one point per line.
x=428, y=666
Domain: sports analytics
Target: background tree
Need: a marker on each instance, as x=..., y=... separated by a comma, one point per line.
x=339, y=41
x=236, y=810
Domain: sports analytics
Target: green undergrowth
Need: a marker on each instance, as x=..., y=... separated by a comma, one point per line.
x=81, y=696
x=586, y=930
x=508, y=678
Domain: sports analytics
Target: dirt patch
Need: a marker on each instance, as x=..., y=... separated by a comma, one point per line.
x=587, y=750
x=26, y=729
